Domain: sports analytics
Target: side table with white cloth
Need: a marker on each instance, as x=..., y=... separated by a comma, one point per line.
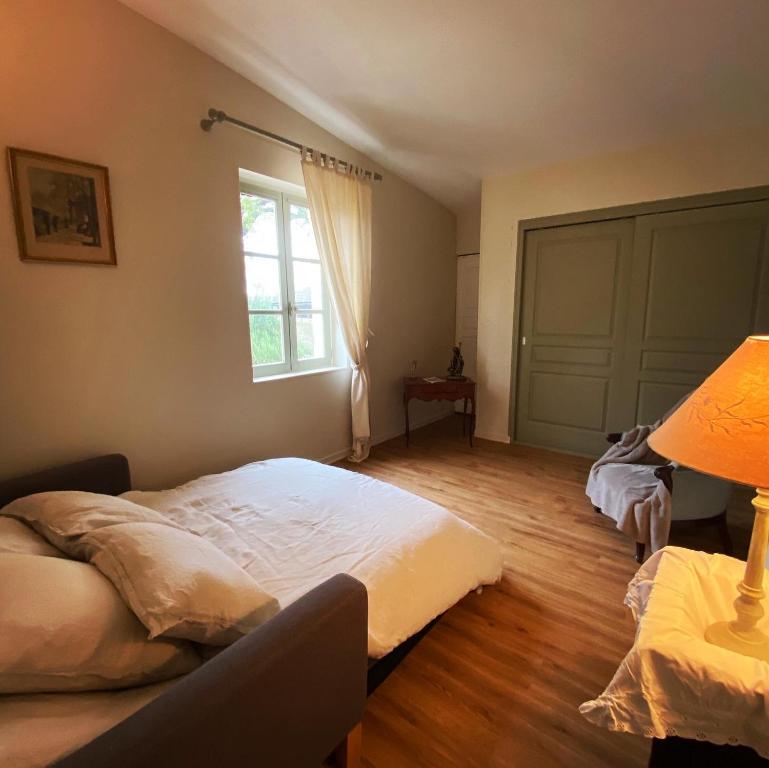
x=702, y=704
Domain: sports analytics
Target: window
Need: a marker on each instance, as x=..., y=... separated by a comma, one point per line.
x=288, y=307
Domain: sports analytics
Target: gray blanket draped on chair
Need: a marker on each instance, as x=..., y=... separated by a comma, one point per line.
x=630, y=493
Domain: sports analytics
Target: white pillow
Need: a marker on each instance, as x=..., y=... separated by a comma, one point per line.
x=179, y=584
x=17, y=537
x=63, y=627
x=63, y=517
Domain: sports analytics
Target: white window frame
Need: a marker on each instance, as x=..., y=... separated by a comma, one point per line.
x=288, y=311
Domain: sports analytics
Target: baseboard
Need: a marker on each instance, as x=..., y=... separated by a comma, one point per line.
x=414, y=424
x=332, y=458
x=496, y=437
x=559, y=450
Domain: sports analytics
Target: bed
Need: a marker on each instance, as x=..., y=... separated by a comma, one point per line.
x=294, y=526
x=293, y=523
x=274, y=683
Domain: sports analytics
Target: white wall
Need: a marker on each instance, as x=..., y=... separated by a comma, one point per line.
x=699, y=165
x=152, y=358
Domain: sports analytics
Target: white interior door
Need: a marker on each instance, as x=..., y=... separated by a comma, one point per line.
x=467, y=312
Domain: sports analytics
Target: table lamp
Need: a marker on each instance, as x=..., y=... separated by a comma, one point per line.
x=723, y=429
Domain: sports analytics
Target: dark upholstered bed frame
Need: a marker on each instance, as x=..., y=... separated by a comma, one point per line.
x=103, y=474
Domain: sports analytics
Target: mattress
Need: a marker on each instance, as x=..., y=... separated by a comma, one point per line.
x=293, y=523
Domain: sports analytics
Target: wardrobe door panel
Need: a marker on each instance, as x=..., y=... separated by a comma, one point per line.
x=575, y=297
x=699, y=287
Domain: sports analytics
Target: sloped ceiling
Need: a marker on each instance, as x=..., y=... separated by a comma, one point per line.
x=445, y=92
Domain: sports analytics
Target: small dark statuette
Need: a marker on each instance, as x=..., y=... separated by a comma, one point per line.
x=457, y=364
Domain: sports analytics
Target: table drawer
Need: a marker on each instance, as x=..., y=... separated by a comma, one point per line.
x=444, y=391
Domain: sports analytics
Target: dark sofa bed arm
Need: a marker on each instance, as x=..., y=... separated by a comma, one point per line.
x=287, y=695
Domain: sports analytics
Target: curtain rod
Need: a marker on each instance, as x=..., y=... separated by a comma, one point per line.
x=217, y=116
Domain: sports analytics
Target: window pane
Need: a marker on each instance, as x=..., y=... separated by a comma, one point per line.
x=266, y=339
x=310, y=335
x=302, y=238
x=263, y=283
x=308, y=286
x=259, y=219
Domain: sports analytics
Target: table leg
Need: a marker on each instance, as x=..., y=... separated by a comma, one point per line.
x=464, y=417
x=406, y=412
x=472, y=419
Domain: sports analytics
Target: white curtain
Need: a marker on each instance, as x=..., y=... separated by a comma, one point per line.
x=340, y=206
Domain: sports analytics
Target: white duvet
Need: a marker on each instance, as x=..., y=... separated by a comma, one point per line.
x=293, y=523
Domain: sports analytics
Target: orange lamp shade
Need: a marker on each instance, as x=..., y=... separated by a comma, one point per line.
x=723, y=427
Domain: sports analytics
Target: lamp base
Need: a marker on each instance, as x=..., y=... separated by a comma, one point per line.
x=753, y=643
x=742, y=635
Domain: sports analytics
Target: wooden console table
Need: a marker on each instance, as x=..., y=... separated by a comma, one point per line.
x=416, y=388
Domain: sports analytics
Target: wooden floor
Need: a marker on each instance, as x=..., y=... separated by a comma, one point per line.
x=498, y=681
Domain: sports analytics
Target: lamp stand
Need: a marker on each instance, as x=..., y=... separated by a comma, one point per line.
x=740, y=634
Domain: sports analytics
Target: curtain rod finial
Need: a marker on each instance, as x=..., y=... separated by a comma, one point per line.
x=214, y=116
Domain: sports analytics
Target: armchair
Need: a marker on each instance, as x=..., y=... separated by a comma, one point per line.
x=695, y=499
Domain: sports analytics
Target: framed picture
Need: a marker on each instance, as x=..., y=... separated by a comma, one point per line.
x=62, y=209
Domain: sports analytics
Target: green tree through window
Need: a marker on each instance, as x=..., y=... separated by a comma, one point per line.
x=251, y=208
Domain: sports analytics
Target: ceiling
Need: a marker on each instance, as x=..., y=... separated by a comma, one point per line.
x=445, y=92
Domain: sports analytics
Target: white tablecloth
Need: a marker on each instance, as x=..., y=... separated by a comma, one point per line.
x=673, y=682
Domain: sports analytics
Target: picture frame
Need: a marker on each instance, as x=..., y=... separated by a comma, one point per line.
x=62, y=209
